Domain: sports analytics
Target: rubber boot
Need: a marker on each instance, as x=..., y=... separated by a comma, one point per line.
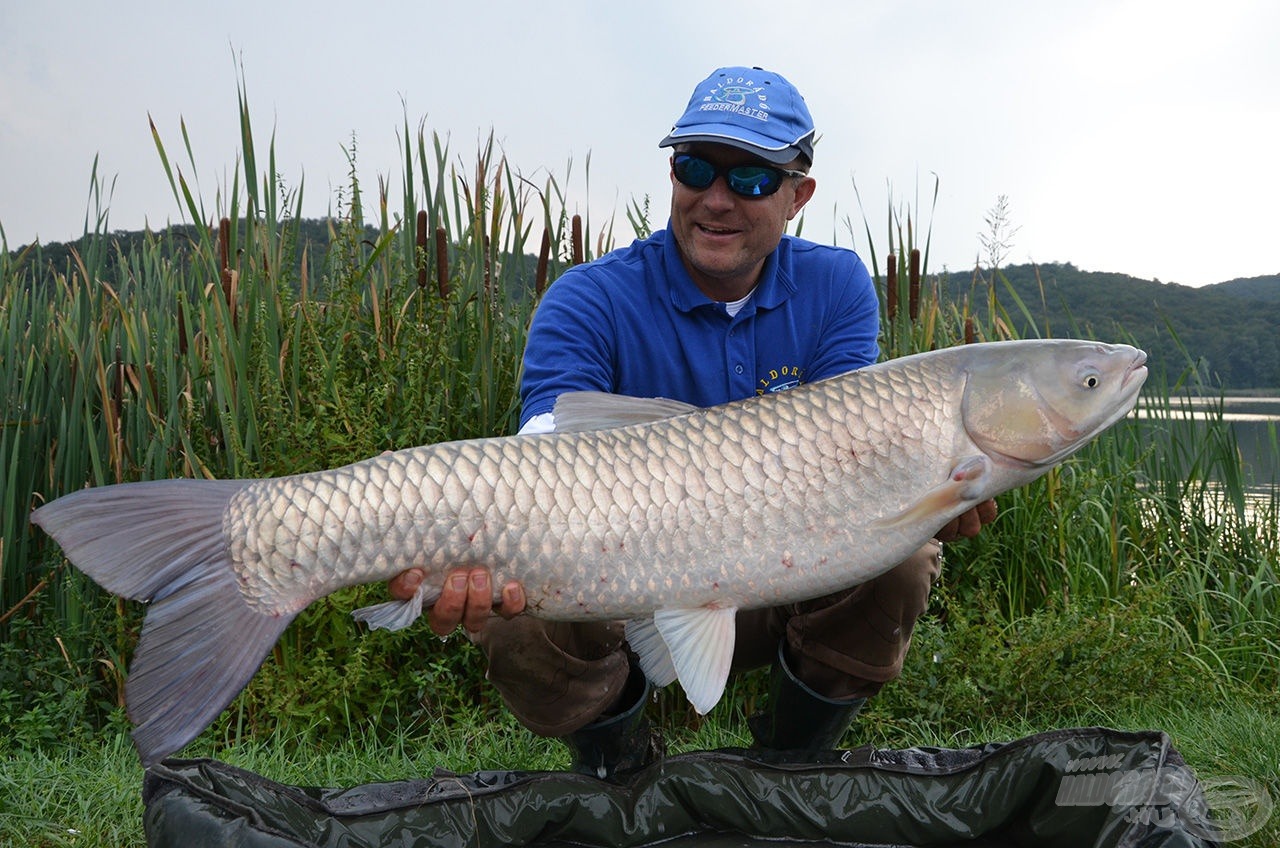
x=619, y=743
x=798, y=718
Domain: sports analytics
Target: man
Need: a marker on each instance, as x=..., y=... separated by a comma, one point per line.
x=719, y=306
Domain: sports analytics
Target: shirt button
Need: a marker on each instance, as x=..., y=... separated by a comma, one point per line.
x=738, y=369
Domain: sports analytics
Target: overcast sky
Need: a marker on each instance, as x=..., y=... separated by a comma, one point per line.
x=1136, y=136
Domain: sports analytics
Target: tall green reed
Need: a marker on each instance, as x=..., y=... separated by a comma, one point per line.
x=911, y=314
x=222, y=349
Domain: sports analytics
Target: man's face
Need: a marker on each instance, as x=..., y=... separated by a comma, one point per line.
x=724, y=238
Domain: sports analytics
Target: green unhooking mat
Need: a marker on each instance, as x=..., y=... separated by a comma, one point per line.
x=1068, y=788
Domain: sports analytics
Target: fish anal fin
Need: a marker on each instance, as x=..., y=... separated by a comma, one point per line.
x=651, y=649
x=964, y=484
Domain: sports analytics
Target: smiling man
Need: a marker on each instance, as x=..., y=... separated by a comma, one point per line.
x=724, y=243
x=719, y=306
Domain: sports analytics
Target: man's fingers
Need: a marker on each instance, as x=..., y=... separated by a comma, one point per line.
x=479, y=601
x=513, y=600
x=446, y=614
x=466, y=599
x=969, y=524
x=404, y=584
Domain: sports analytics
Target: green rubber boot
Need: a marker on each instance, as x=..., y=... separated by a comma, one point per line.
x=798, y=718
x=620, y=743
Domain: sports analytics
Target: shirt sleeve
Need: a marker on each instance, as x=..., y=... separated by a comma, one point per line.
x=571, y=345
x=849, y=336
x=542, y=423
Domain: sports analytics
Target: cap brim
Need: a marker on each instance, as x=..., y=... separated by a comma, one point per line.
x=773, y=155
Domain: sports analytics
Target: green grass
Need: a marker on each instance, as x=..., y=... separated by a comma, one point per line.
x=89, y=796
x=971, y=678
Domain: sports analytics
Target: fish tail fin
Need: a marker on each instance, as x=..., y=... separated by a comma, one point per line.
x=201, y=642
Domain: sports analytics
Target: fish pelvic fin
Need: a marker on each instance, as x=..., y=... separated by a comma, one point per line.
x=693, y=645
x=964, y=485
x=162, y=542
x=397, y=615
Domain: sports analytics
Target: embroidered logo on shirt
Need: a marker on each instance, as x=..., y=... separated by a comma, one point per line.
x=779, y=379
x=740, y=95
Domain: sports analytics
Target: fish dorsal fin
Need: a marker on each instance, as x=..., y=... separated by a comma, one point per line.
x=578, y=411
x=694, y=646
x=964, y=486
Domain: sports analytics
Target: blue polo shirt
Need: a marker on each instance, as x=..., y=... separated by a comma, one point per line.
x=634, y=323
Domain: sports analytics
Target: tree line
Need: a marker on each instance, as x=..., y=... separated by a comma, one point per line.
x=1222, y=336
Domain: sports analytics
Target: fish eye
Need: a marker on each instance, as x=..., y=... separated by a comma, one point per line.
x=1090, y=380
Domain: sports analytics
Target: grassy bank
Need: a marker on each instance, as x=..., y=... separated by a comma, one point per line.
x=88, y=795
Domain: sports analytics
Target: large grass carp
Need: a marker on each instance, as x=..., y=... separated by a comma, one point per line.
x=665, y=515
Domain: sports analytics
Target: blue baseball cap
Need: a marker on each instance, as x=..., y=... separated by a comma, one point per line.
x=749, y=108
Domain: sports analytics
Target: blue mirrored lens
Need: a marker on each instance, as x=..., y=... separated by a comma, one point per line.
x=694, y=172
x=753, y=181
x=743, y=180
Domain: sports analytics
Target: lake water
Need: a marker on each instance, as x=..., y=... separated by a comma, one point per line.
x=1255, y=423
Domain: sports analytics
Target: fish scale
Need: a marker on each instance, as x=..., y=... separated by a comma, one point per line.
x=650, y=511
x=450, y=511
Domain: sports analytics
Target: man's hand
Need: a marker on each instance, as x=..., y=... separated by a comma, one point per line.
x=466, y=598
x=967, y=525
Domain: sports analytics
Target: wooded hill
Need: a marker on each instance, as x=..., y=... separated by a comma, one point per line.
x=1226, y=333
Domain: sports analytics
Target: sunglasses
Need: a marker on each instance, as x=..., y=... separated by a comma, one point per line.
x=743, y=180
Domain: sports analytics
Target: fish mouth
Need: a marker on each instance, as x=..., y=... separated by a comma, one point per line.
x=1130, y=385
x=1136, y=370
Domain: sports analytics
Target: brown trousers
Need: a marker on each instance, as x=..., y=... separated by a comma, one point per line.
x=558, y=676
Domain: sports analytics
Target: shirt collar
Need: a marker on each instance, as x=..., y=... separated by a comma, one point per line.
x=774, y=288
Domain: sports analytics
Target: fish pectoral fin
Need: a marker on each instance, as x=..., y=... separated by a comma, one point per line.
x=395, y=615
x=699, y=645
x=963, y=485
x=578, y=411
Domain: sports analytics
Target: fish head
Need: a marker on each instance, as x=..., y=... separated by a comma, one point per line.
x=1033, y=403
